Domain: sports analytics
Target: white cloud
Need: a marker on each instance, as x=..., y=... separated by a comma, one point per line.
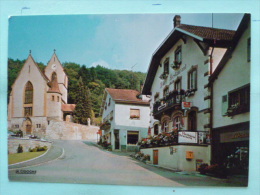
x=101, y=63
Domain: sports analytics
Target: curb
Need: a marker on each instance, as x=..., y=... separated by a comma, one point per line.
x=63, y=153
x=31, y=159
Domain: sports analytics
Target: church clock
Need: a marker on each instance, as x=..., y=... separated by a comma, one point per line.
x=53, y=66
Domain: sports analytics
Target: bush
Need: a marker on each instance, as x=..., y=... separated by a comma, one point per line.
x=20, y=149
x=38, y=149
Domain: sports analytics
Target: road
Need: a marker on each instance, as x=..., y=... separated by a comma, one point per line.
x=88, y=164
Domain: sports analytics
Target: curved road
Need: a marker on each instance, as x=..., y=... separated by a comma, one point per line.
x=86, y=163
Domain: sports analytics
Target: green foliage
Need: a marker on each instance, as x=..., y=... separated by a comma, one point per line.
x=38, y=149
x=20, y=149
x=83, y=109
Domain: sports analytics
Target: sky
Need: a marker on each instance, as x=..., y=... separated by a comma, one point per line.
x=114, y=41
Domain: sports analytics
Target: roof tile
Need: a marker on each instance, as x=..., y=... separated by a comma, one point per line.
x=209, y=33
x=126, y=95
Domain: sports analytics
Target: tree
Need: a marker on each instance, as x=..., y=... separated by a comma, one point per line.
x=84, y=73
x=83, y=109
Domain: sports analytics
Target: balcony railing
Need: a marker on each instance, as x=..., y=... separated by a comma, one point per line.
x=172, y=99
x=183, y=137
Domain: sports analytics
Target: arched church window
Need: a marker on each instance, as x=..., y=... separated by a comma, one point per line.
x=53, y=76
x=28, y=99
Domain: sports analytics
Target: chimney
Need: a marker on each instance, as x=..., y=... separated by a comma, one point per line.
x=176, y=21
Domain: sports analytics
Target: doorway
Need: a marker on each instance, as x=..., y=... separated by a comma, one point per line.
x=28, y=126
x=117, y=142
x=155, y=157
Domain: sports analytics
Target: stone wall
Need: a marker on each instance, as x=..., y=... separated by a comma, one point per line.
x=13, y=144
x=65, y=130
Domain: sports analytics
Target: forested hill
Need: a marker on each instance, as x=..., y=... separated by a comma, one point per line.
x=95, y=78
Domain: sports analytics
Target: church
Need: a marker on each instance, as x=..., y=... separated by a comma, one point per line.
x=38, y=98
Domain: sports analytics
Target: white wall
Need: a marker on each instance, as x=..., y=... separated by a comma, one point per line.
x=235, y=74
x=122, y=115
x=191, y=55
x=178, y=160
x=39, y=89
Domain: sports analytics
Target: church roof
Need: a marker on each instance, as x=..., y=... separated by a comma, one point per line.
x=68, y=107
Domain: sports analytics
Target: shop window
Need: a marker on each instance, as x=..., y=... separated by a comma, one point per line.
x=178, y=56
x=156, y=129
x=239, y=101
x=134, y=113
x=249, y=49
x=27, y=111
x=192, y=121
x=28, y=99
x=177, y=84
x=132, y=137
x=192, y=79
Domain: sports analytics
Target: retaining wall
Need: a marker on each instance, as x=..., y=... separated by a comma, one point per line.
x=65, y=130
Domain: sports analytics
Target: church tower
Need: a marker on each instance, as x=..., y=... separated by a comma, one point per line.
x=54, y=65
x=54, y=99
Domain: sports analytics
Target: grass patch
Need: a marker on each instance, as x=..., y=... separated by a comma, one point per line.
x=20, y=157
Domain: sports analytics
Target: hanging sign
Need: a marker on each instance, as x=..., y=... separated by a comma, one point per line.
x=187, y=137
x=186, y=105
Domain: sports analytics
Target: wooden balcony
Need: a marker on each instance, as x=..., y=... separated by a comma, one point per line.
x=167, y=104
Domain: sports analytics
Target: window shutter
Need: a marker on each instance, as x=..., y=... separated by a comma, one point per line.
x=224, y=105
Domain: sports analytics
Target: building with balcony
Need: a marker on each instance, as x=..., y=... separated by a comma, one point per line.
x=230, y=89
x=125, y=118
x=178, y=83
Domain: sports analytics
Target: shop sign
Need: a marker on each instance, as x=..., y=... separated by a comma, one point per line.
x=186, y=105
x=234, y=136
x=188, y=137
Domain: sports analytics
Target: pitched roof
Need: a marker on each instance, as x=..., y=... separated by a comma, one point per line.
x=207, y=32
x=212, y=36
x=240, y=30
x=68, y=107
x=126, y=96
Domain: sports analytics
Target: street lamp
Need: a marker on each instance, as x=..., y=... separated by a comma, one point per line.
x=23, y=9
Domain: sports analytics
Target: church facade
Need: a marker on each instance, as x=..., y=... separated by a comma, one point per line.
x=37, y=97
